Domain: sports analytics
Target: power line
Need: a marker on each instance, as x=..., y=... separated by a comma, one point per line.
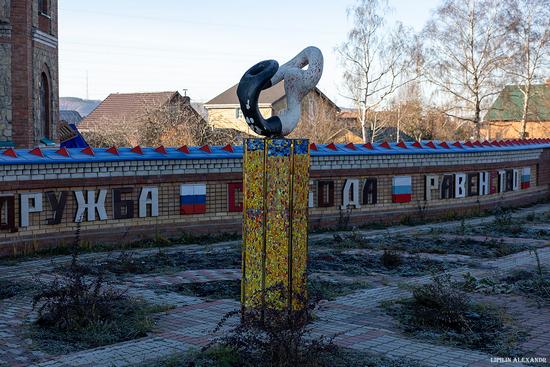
x=195, y=22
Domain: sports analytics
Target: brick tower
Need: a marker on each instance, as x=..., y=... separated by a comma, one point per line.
x=29, y=94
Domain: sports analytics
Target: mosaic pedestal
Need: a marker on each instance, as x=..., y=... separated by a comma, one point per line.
x=275, y=223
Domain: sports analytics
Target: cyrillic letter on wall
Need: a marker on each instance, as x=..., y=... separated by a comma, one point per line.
x=90, y=206
x=30, y=203
x=149, y=197
x=350, y=194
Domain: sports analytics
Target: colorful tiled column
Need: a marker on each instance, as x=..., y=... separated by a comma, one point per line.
x=275, y=223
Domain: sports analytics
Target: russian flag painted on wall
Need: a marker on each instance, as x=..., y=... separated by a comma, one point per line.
x=193, y=199
x=402, y=189
x=526, y=178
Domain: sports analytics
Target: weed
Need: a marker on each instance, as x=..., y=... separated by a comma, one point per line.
x=442, y=311
x=78, y=310
x=343, y=219
x=280, y=337
x=220, y=289
x=391, y=259
x=231, y=289
x=10, y=289
x=366, y=264
x=130, y=263
x=462, y=228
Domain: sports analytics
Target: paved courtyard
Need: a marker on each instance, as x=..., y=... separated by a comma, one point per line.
x=357, y=318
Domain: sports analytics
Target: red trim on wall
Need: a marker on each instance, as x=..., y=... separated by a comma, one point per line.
x=232, y=190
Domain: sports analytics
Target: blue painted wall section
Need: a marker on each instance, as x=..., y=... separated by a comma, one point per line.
x=78, y=155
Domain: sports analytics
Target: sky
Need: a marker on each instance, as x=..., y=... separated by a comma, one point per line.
x=202, y=46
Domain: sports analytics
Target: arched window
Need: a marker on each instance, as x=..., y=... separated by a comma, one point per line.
x=45, y=110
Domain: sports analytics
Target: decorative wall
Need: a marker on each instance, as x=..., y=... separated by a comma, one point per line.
x=132, y=194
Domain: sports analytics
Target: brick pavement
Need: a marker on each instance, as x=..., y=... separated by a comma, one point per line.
x=356, y=317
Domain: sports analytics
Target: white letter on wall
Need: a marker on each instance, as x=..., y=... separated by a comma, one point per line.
x=149, y=196
x=516, y=182
x=432, y=183
x=501, y=181
x=30, y=203
x=483, y=183
x=460, y=185
x=353, y=186
x=91, y=205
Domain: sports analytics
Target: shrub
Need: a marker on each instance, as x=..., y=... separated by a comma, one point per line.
x=10, y=289
x=269, y=336
x=503, y=218
x=501, y=248
x=391, y=259
x=80, y=310
x=442, y=311
x=534, y=284
x=443, y=297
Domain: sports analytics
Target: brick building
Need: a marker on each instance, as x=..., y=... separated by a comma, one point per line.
x=504, y=118
x=29, y=79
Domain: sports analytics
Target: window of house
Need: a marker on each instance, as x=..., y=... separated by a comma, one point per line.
x=43, y=6
x=238, y=113
x=45, y=103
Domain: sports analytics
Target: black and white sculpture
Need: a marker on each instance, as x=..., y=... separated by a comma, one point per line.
x=298, y=83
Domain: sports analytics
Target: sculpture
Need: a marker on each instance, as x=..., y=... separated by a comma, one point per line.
x=276, y=186
x=298, y=83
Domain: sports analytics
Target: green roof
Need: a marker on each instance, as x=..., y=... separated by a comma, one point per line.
x=509, y=104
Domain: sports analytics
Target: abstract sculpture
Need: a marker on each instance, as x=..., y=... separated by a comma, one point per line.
x=276, y=187
x=298, y=83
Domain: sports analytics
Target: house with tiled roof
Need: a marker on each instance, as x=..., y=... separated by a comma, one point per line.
x=504, y=118
x=127, y=109
x=224, y=110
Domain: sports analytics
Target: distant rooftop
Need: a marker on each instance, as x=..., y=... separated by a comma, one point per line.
x=268, y=96
x=71, y=117
x=83, y=106
x=509, y=104
x=126, y=106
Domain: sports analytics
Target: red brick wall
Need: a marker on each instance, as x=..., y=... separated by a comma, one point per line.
x=21, y=68
x=544, y=168
x=28, y=60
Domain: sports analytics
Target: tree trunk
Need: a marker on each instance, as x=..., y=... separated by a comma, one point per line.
x=477, y=120
x=398, y=125
x=524, y=114
x=365, y=132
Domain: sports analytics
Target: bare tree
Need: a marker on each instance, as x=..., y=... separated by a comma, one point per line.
x=179, y=123
x=464, y=54
x=445, y=127
x=529, y=47
x=107, y=132
x=377, y=61
x=319, y=120
x=408, y=113
x=171, y=124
